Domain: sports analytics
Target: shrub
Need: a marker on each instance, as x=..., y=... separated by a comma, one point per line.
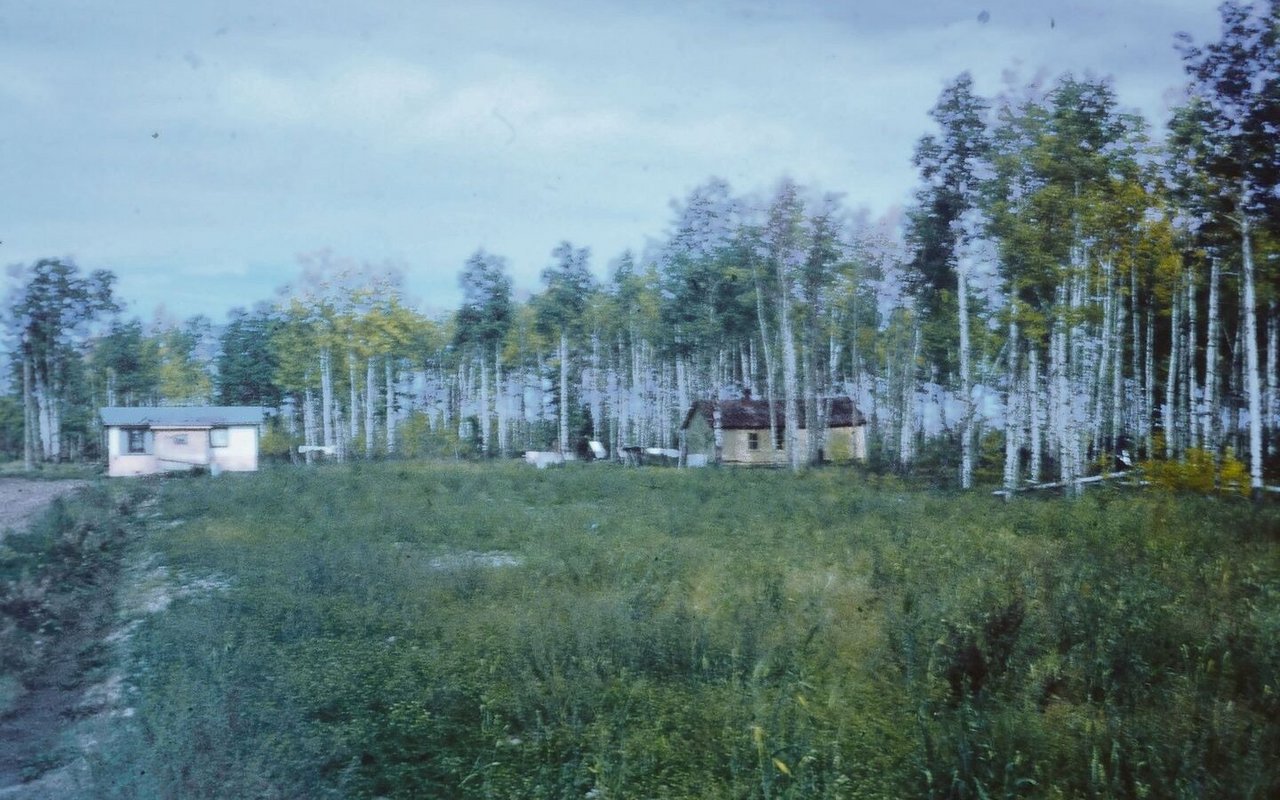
x=1196, y=472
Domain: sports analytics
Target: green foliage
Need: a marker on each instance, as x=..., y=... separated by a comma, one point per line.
x=276, y=445
x=57, y=579
x=420, y=439
x=247, y=363
x=10, y=428
x=409, y=630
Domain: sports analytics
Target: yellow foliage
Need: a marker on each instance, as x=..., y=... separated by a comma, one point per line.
x=1195, y=473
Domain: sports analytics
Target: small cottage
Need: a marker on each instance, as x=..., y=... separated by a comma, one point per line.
x=146, y=441
x=747, y=438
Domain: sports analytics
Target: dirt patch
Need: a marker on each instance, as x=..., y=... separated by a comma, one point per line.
x=22, y=499
x=58, y=619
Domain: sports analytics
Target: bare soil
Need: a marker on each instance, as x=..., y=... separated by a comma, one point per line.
x=22, y=499
x=35, y=754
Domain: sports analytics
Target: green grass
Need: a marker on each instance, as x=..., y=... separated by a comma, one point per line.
x=704, y=633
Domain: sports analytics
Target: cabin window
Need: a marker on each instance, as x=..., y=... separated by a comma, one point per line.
x=137, y=443
x=219, y=437
x=753, y=440
x=779, y=437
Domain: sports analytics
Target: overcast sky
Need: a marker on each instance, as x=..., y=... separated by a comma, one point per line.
x=197, y=148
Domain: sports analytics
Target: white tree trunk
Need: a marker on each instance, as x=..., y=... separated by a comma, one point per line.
x=485, y=409
x=771, y=394
x=1138, y=411
x=29, y=417
x=354, y=407
x=1033, y=411
x=790, y=381
x=906, y=434
x=1012, y=428
x=390, y=404
x=597, y=397
x=1170, y=415
x=1211, y=401
x=1149, y=381
x=309, y=423
x=1117, y=375
x=1061, y=423
x=564, y=392
x=326, y=396
x=1192, y=417
x=370, y=392
x=1273, y=390
x=500, y=401
x=1252, y=383
x=966, y=389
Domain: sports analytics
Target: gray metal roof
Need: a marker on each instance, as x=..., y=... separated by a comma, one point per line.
x=182, y=416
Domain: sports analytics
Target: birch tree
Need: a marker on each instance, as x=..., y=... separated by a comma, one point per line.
x=942, y=231
x=48, y=313
x=567, y=282
x=482, y=323
x=1235, y=86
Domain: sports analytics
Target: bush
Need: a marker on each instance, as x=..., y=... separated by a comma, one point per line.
x=1196, y=472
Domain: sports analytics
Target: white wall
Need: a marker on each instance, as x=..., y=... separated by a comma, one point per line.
x=167, y=452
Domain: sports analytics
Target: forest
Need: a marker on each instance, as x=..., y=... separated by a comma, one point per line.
x=1073, y=289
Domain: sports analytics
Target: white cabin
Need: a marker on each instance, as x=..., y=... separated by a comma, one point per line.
x=146, y=441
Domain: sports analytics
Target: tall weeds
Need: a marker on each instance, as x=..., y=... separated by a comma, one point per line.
x=489, y=631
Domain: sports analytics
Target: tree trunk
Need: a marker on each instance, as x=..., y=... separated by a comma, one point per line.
x=309, y=423
x=1251, y=360
x=29, y=419
x=326, y=396
x=597, y=404
x=906, y=434
x=500, y=401
x=1212, y=417
x=564, y=392
x=790, y=379
x=1033, y=411
x=1011, y=422
x=370, y=392
x=390, y=405
x=355, y=399
x=1191, y=411
x=1137, y=404
x=1273, y=390
x=1149, y=381
x=966, y=390
x=768, y=363
x=484, y=416
x=1102, y=383
x=1117, y=376
x=1169, y=417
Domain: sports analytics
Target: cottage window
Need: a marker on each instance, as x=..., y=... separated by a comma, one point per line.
x=753, y=440
x=779, y=437
x=219, y=437
x=137, y=443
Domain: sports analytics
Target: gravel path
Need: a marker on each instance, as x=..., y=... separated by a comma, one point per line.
x=22, y=499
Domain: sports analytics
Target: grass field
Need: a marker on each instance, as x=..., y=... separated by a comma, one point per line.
x=413, y=630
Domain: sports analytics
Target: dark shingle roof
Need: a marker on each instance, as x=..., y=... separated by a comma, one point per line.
x=751, y=414
x=182, y=416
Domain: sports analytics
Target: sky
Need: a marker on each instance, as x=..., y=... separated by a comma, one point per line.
x=199, y=150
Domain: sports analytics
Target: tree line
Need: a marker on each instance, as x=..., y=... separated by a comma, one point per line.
x=1066, y=290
